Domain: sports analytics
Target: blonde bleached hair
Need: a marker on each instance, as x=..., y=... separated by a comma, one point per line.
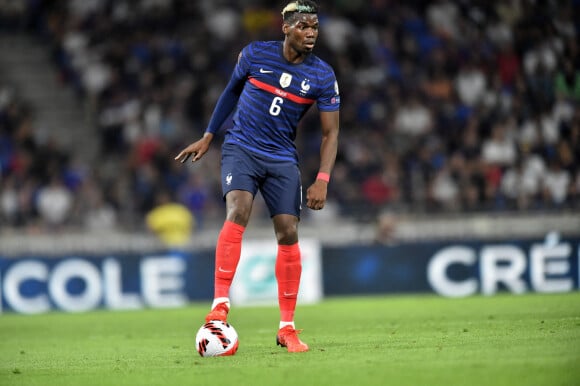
x=299, y=6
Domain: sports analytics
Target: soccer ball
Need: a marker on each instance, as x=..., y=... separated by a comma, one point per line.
x=216, y=338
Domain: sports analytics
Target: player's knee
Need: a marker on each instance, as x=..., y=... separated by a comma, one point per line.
x=287, y=237
x=239, y=207
x=239, y=215
x=286, y=232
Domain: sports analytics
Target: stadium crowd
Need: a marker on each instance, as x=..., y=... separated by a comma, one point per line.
x=447, y=107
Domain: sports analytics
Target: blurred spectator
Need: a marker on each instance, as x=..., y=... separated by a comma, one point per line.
x=521, y=184
x=96, y=213
x=444, y=190
x=499, y=150
x=386, y=228
x=438, y=86
x=193, y=193
x=508, y=66
x=54, y=203
x=567, y=81
x=556, y=184
x=170, y=221
x=412, y=121
x=470, y=84
x=443, y=18
x=9, y=203
x=336, y=31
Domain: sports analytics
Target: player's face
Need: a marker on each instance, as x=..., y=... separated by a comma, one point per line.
x=302, y=32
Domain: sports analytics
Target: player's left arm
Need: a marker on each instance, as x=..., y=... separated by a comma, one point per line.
x=316, y=193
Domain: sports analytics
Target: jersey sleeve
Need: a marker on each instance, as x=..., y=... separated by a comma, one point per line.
x=229, y=97
x=243, y=64
x=329, y=99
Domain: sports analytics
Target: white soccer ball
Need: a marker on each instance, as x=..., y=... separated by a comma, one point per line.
x=216, y=338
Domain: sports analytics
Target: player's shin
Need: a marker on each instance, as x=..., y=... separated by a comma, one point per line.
x=288, y=271
x=227, y=257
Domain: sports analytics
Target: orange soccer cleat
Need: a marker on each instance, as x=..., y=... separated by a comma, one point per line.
x=219, y=312
x=288, y=337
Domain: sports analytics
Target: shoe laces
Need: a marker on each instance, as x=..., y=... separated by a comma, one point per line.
x=289, y=332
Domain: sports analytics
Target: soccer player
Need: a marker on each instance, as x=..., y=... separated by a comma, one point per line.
x=271, y=88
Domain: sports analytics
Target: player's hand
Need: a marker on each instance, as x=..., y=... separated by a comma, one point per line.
x=196, y=150
x=316, y=195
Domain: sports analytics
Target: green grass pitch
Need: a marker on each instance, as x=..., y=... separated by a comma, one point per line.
x=382, y=340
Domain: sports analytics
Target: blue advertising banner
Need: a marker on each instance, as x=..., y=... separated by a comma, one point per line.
x=454, y=269
x=81, y=283
x=36, y=284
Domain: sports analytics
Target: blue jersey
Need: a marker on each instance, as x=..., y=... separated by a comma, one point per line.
x=275, y=96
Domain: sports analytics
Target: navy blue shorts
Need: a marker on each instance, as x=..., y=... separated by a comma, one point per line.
x=278, y=181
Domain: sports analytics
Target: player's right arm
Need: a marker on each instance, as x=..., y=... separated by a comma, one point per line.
x=224, y=107
x=196, y=149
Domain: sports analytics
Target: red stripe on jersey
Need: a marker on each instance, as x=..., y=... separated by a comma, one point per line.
x=281, y=93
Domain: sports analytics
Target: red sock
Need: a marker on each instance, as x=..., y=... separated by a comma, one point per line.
x=288, y=271
x=227, y=257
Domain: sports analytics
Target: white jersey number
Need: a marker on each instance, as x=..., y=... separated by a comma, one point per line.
x=275, y=107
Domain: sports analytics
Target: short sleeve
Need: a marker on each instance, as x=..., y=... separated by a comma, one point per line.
x=329, y=99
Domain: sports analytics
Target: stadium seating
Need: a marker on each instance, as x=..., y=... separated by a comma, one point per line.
x=447, y=107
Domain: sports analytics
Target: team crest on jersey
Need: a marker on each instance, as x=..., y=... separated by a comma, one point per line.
x=285, y=80
x=304, y=87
